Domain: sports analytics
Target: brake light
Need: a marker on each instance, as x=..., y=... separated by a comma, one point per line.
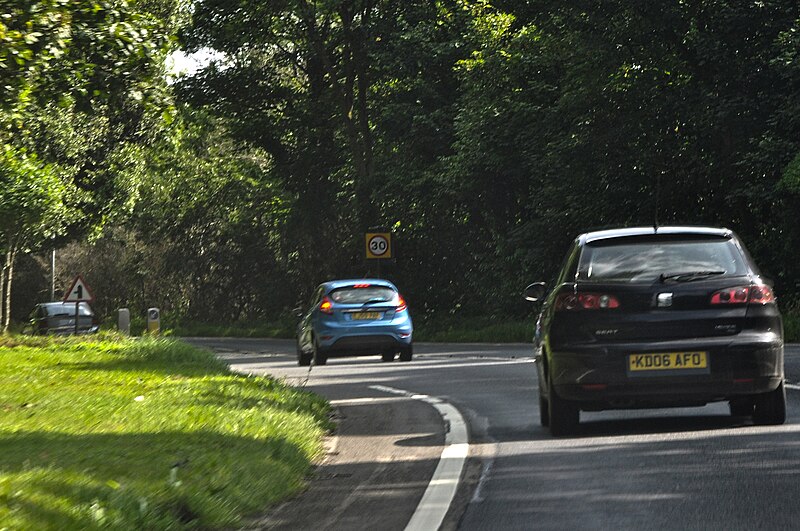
x=361, y=285
x=759, y=294
x=586, y=301
x=326, y=306
x=401, y=303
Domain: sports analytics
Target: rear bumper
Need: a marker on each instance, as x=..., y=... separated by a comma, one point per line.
x=598, y=376
x=366, y=345
x=352, y=339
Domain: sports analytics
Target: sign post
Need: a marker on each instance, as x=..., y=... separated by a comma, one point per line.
x=379, y=247
x=78, y=292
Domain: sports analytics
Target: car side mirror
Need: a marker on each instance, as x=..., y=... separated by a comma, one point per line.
x=535, y=291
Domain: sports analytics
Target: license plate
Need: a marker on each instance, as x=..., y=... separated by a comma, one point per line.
x=365, y=316
x=672, y=362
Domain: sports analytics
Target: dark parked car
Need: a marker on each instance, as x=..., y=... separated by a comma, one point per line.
x=666, y=317
x=352, y=318
x=59, y=318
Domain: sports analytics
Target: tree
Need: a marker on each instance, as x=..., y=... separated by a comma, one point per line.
x=33, y=209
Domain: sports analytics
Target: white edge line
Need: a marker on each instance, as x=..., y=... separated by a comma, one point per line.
x=792, y=386
x=441, y=490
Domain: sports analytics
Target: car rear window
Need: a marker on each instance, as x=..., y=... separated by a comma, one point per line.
x=67, y=309
x=353, y=295
x=640, y=261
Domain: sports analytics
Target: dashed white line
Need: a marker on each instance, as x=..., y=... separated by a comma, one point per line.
x=787, y=385
x=441, y=490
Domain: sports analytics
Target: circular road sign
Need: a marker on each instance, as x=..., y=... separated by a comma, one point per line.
x=378, y=245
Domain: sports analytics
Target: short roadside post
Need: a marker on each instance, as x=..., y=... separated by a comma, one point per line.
x=78, y=292
x=153, y=321
x=124, y=321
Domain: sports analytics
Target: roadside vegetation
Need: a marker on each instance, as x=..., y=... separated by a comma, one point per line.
x=118, y=433
x=483, y=135
x=449, y=329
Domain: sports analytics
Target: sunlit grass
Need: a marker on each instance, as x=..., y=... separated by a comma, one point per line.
x=150, y=433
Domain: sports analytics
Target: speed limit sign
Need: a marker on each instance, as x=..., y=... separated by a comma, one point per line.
x=379, y=245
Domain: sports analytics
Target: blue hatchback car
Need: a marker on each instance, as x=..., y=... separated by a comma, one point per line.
x=354, y=318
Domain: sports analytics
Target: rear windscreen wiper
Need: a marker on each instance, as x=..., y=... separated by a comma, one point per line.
x=689, y=276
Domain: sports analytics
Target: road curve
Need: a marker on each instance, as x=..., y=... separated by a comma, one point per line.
x=691, y=468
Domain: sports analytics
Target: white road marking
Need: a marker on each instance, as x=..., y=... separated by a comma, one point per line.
x=441, y=490
x=792, y=386
x=357, y=401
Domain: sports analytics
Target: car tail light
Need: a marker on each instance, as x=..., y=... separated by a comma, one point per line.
x=586, y=301
x=401, y=303
x=361, y=285
x=758, y=294
x=326, y=306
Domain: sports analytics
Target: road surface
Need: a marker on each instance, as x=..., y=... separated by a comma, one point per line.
x=689, y=468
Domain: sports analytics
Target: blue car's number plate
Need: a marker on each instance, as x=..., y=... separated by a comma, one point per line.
x=366, y=316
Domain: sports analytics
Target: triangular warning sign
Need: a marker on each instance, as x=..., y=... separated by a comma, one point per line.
x=78, y=292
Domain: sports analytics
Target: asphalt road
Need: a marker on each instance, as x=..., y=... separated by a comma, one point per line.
x=691, y=468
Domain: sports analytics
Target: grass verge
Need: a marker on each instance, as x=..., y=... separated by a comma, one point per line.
x=116, y=433
x=791, y=325
x=481, y=329
x=254, y=329
x=488, y=329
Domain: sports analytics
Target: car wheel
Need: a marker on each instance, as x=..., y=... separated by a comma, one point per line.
x=563, y=415
x=320, y=355
x=388, y=356
x=303, y=359
x=544, y=412
x=770, y=408
x=741, y=407
x=406, y=353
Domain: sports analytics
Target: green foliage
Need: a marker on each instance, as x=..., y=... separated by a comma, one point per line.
x=155, y=434
x=54, y=49
x=480, y=329
x=486, y=136
x=33, y=200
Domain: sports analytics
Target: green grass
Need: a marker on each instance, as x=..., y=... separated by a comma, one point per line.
x=791, y=325
x=474, y=330
x=144, y=434
x=488, y=329
x=252, y=329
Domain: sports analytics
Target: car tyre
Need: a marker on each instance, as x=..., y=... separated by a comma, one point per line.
x=741, y=407
x=406, y=353
x=320, y=355
x=770, y=408
x=563, y=415
x=303, y=359
x=544, y=412
x=388, y=356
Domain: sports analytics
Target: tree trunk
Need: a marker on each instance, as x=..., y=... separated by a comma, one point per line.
x=2, y=291
x=351, y=93
x=9, y=276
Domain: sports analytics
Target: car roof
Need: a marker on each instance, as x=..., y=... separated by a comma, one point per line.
x=336, y=284
x=590, y=237
x=60, y=303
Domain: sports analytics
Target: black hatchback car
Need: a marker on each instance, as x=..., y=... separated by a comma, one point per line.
x=658, y=317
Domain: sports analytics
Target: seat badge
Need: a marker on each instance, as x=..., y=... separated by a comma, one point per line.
x=664, y=300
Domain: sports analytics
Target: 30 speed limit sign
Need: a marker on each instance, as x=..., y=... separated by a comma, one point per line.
x=379, y=245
